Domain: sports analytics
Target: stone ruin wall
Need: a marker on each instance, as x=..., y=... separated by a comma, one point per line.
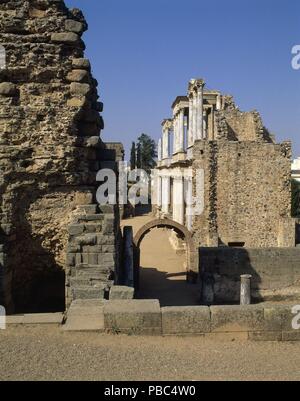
x=247, y=194
x=49, y=146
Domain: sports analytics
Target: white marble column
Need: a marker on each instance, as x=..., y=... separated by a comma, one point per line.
x=159, y=150
x=165, y=143
x=165, y=194
x=175, y=140
x=205, y=125
x=190, y=133
x=200, y=124
x=195, y=117
x=178, y=200
x=181, y=131
x=219, y=102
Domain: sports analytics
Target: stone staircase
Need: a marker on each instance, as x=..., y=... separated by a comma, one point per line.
x=92, y=255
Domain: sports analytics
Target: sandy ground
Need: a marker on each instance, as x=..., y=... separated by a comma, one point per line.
x=49, y=354
x=163, y=274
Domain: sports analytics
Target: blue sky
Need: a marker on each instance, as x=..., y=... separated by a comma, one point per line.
x=144, y=52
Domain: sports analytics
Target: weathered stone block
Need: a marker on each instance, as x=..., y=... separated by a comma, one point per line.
x=76, y=229
x=106, y=258
x=121, y=292
x=291, y=335
x=105, y=239
x=265, y=336
x=65, y=37
x=278, y=317
x=78, y=76
x=88, y=209
x=237, y=318
x=74, y=26
x=71, y=259
x=8, y=89
x=77, y=102
x=78, y=89
x=87, y=292
x=107, y=209
x=133, y=317
x=85, y=315
x=73, y=248
x=186, y=320
x=92, y=228
x=99, y=107
x=108, y=248
x=81, y=63
x=88, y=239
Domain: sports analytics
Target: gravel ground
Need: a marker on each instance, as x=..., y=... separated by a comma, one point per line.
x=43, y=353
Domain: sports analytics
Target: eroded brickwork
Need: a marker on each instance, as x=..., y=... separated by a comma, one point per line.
x=49, y=146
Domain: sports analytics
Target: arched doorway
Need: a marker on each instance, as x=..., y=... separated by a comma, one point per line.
x=191, y=272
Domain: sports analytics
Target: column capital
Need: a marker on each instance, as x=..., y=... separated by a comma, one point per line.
x=167, y=124
x=195, y=85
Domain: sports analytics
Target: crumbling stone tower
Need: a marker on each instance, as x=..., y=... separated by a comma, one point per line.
x=50, y=151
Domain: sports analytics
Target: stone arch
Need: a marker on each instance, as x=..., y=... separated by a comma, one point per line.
x=192, y=254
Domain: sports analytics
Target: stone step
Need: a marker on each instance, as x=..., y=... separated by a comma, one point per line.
x=93, y=271
x=85, y=315
x=88, y=281
x=88, y=209
x=88, y=292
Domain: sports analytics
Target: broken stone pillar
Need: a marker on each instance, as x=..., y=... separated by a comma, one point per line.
x=246, y=289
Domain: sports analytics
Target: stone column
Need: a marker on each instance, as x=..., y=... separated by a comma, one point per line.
x=246, y=289
x=205, y=125
x=219, y=102
x=178, y=200
x=212, y=123
x=165, y=194
x=176, y=132
x=191, y=127
x=165, y=153
x=159, y=150
x=200, y=125
x=195, y=117
x=181, y=144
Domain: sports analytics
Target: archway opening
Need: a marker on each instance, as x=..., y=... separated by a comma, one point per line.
x=163, y=265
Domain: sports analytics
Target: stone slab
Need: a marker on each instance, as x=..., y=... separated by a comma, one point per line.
x=278, y=317
x=186, y=320
x=133, y=317
x=85, y=315
x=36, y=318
x=291, y=335
x=265, y=336
x=237, y=318
x=118, y=292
